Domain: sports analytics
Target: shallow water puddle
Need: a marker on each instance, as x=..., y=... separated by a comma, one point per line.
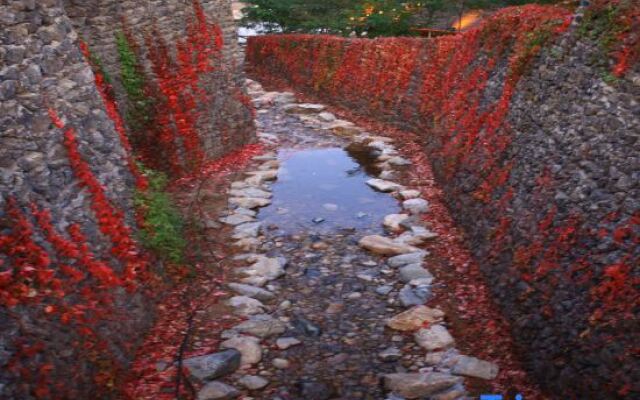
x=324, y=190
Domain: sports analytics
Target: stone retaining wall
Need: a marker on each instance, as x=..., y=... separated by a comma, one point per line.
x=538, y=156
x=73, y=303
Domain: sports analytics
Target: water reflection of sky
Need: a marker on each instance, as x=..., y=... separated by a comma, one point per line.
x=327, y=184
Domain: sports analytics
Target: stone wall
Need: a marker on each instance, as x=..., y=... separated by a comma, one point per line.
x=74, y=283
x=538, y=157
x=98, y=21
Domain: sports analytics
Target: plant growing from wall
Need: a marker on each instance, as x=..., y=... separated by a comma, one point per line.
x=140, y=103
x=162, y=226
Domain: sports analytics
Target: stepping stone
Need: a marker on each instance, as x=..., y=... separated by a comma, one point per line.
x=417, y=236
x=248, y=346
x=248, y=230
x=385, y=246
x=411, y=272
x=212, y=366
x=416, y=206
x=410, y=258
x=251, y=192
x=384, y=186
x=244, y=305
x=436, y=337
x=270, y=268
x=475, y=368
x=253, y=382
x=409, y=194
x=236, y=219
x=304, y=108
x=419, y=385
x=415, y=318
x=252, y=291
x=344, y=128
x=217, y=391
x=262, y=325
x=410, y=296
x=249, y=202
x=399, y=161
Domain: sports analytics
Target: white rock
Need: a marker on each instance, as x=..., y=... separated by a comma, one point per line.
x=399, y=161
x=409, y=194
x=435, y=337
x=416, y=206
x=384, y=186
x=281, y=363
x=393, y=221
x=253, y=382
x=244, y=305
x=285, y=343
x=217, y=391
x=248, y=346
x=326, y=117
x=270, y=268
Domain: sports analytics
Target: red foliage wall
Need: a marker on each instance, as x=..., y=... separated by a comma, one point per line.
x=456, y=93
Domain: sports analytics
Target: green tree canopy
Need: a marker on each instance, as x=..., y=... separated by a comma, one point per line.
x=373, y=17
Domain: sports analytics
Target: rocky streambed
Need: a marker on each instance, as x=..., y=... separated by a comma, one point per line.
x=332, y=278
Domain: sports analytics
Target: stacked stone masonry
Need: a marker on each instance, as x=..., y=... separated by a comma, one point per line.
x=557, y=233
x=42, y=69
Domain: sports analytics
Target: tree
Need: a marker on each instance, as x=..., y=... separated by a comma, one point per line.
x=315, y=16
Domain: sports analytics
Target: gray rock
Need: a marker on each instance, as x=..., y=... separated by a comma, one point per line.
x=248, y=230
x=416, y=206
x=384, y=290
x=399, y=161
x=410, y=258
x=418, y=385
x=251, y=192
x=384, y=186
x=475, y=368
x=409, y=194
x=251, y=291
x=414, y=271
x=410, y=296
x=236, y=219
x=391, y=354
x=214, y=365
x=315, y=391
x=304, y=108
x=262, y=326
x=244, y=305
x=249, y=202
x=217, y=391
